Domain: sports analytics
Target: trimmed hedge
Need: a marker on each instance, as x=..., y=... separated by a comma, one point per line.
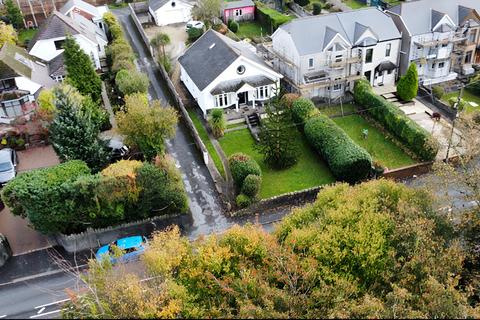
x=251, y=185
x=243, y=200
x=302, y=110
x=347, y=160
x=417, y=139
x=242, y=165
x=271, y=19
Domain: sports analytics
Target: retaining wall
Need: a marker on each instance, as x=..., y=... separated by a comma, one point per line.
x=94, y=238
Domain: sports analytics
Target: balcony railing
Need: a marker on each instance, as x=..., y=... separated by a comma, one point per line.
x=457, y=37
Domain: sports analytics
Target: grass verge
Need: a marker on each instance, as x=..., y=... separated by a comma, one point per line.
x=468, y=96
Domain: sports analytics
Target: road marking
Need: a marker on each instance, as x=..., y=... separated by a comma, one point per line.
x=52, y=303
x=41, y=310
x=45, y=314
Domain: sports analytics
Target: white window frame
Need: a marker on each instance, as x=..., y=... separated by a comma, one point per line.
x=337, y=87
x=238, y=12
x=263, y=92
x=222, y=100
x=388, y=51
x=311, y=63
x=441, y=65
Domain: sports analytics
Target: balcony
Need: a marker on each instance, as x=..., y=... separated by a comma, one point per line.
x=457, y=37
x=344, y=62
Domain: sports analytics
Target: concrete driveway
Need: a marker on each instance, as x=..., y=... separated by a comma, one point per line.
x=178, y=36
x=20, y=235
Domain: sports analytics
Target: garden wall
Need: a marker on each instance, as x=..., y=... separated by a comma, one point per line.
x=94, y=238
x=297, y=198
x=216, y=177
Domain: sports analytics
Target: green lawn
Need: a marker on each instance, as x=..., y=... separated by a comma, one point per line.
x=204, y=136
x=354, y=4
x=250, y=29
x=117, y=5
x=467, y=96
x=309, y=171
x=26, y=35
x=382, y=149
x=337, y=109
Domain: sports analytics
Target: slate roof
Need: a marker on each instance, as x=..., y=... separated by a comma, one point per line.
x=56, y=66
x=210, y=55
x=311, y=34
x=87, y=7
x=58, y=25
x=157, y=4
x=238, y=4
x=419, y=15
x=234, y=85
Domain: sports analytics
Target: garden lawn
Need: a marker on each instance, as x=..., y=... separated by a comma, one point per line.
x=354, y=4
x=202, y=132
x=250, y=29
x=336, y=110
x=310, y=170
x=26, y=35
x=467, y=96
x=380, y=148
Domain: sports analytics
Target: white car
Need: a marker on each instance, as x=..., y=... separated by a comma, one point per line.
x=8, y=165
x=195, y=24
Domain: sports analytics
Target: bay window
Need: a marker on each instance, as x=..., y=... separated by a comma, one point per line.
x=221, y=100
x=263, y=92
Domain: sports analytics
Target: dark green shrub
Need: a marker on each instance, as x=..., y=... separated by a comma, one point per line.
x=251, y=185
x=233, y=26
x=417, y=139
x=270, y=18
x=347, y=160
x=243, y=200
x=438, y=92
x=302, y=3
x=317, y=8
x=474, y=85
x=407, y=87
x=302, y=110
x=241, y=165
x=194, y=34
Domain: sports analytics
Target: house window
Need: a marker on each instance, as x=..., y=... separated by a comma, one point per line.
x=441, y=65
x=433, y=65
x=221, y=100
x=310, y=63
x=472, y=36
x=59, y=44
x=263, y=92
x=59, y=78
x=337, y=87
x=389, y=49
x=338, y=58
x=238, y=12
x=468, y=57
x=369, y=56
x=444, y=45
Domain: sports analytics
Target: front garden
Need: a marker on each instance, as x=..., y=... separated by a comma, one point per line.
x=472, y=101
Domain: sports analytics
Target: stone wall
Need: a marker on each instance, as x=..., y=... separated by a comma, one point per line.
x=94, y=238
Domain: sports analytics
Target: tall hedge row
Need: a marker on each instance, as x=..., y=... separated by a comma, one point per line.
x=347, y=160
x=417, y=139
x=271, y=19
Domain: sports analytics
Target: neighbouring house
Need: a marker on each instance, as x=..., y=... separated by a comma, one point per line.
x=92, y=13
x=222, y=73
x=22, y=77
x=48, y=41
x=165, y=12
x=322, y=56
x=440, y=36
x=240, y=10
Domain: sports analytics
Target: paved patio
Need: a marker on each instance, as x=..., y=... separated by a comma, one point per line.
x=178, y=36
x=21, y=237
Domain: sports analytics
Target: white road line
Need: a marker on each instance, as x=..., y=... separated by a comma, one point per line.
x=41, y=310
x=45, y=314
x=52, y=303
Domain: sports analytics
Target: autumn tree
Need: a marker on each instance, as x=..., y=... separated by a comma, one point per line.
x=80, y=71
x=73, y=133
x=14, y=15
x=147, y=125
x=7, y=34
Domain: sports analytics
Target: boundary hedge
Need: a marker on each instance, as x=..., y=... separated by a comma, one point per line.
x=271, y=19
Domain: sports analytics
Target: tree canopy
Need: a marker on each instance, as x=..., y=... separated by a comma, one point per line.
x=14, y=15
x=407, y=87
x=131, y=81
x=7, y=34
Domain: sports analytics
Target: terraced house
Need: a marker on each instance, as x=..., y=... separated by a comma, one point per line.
x=322, y=56
x=441, y=36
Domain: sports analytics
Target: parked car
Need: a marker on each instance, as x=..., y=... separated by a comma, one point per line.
x=195, y=24
x=8, y=165
x=132, y=248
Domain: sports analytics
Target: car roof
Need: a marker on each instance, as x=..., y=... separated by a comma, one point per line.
x=129, y=242
x=5, y=155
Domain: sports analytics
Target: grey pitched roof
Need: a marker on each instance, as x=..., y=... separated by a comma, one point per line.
x=309, y=33
x=87, y=7
x=56, y=66
x=156, y=4
x=210, y=55
x=58, y=25
x=417, y=15
x=238, y=4
x=436, y=17
x=329, y=35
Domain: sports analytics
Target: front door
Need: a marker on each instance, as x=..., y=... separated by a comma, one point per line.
x=242, y=98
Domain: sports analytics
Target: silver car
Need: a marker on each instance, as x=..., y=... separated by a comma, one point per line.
x=8, y=165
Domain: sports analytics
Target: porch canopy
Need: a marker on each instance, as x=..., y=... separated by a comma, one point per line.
x=385, y=66
x=241, y=85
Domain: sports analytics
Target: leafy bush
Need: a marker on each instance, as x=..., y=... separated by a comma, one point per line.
x=302, y=3
x=270, y=18
x=217, y=122
x=462, y=104
x=317, y=8
x=243, y=200
x=194, y=34
x=241, y=165
x=302, y=110
x=474, y=85
x=347, y=160
x=438, y=92
x=251, y=185
x=288, y=99
x=131, y=81
x=417, y=139
x=407, y=87
x=233, y=26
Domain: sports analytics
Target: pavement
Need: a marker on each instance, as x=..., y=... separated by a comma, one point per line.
x=20, y=235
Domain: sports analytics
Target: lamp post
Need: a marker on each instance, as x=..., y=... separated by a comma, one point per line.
x=455, y=107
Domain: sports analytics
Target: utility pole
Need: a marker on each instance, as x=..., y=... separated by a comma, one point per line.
x=455, y=108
